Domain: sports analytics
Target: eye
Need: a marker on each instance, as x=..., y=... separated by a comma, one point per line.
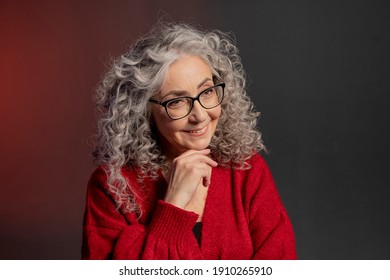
x=176, y=103
x=208, y=93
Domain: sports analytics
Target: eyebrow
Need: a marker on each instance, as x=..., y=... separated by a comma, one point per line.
x=183, y=92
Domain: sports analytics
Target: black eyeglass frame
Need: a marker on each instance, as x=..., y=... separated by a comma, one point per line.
x=193, y=99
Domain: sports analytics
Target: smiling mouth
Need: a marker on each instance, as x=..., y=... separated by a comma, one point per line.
x=198, y=132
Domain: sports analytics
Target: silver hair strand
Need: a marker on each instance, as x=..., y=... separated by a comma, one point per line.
x=125, y=136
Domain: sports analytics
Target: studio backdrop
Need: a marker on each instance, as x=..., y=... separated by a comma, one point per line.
x=318, y=71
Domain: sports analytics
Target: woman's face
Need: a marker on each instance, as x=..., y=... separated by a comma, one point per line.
x=188, y=76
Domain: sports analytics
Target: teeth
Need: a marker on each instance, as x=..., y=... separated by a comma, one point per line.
x=197, y=131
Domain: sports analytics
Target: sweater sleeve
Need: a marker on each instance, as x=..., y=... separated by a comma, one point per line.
x=271, y=230
x=110, y=234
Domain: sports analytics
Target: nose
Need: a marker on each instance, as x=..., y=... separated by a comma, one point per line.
x=198, y=113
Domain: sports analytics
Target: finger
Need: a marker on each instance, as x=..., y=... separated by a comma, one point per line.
x=205, y=159
x=201, y=157
x=206, y=175
x=209, y=161
x=194, y=152
x=205, y=182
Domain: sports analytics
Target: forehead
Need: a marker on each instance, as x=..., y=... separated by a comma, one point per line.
x=186, y=73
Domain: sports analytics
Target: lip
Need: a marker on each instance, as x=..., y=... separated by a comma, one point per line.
x=198, y=132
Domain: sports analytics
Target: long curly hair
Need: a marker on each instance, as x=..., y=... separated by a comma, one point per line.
x=126, y=136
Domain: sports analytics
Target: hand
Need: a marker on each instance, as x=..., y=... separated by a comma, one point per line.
x=190, y=172
x=198, y=201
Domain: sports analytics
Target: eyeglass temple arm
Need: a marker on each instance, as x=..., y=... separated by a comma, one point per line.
x=155, y=101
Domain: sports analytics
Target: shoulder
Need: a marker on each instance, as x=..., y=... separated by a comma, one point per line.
x=97, y=189
x=257, y=176
x=257, y=161
x=251, y=165
x=98, y=177
x=134, y=182
x=259, y=184
x=256, y=165
x=100, y=174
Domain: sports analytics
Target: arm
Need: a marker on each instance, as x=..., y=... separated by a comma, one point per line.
x=110, y=234
x=271, y=230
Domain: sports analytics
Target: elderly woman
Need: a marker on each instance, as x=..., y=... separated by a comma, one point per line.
x=180, y=175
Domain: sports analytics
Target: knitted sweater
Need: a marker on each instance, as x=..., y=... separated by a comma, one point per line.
x=243, y=219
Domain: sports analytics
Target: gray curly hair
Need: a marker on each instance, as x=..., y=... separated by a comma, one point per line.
x=126, y=137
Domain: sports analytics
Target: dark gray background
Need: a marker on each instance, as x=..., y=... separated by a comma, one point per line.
x=319, y=73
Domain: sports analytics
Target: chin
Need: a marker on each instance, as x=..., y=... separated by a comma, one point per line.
x=198, y=146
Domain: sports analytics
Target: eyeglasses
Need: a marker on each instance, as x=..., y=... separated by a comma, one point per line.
x=180, y=107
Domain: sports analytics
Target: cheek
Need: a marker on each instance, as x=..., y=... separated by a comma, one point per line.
x=166, y=126
x=215, y=113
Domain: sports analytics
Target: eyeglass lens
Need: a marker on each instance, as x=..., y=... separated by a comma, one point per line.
x=209, y=98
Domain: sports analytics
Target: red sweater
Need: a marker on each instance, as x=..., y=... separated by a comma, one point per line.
x=243, y=219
